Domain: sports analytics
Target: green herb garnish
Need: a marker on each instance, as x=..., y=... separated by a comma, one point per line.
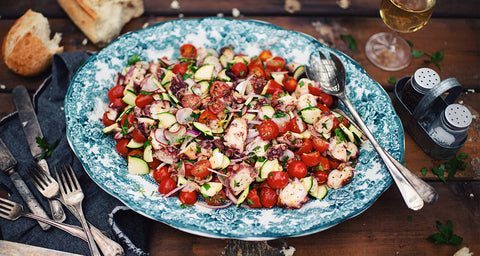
x=446, y=235
x=350, y=40
x=392, y=80
x=42, y=143
x=133, y=59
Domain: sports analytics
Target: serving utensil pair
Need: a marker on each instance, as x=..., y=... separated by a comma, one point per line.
x=332, y=73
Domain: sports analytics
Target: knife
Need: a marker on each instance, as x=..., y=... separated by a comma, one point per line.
x=32, y=131
x=12, y=248
x=8, y=165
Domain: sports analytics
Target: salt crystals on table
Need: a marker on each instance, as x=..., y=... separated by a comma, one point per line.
x=450, y=128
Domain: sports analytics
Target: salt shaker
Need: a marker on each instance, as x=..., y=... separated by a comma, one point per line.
x=450, y=128
x=421, y=82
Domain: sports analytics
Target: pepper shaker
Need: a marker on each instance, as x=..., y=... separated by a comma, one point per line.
x=421, y=82
x=450, y=128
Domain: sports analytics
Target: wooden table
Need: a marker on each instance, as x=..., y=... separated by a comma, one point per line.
x=386, y=228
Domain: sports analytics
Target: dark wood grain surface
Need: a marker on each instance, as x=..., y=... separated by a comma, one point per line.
x=386, y=228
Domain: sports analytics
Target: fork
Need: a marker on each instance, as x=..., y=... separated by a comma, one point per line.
x=13, y=211
x=335, y=74
x=72, y=195
x=49, y=188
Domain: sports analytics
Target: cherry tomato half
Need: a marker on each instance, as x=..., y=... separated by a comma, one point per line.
x=311, y=159
x=297, y=169
x=136, y=152
x=115, y=92
x=277, y=179
x=314, y=90
x=179, y=69
x=265, y=55
x=307, y=147
x=121, y=147
x=321, y=176
x=117, y=103
x=219, y=89
x=167, y=185
x=154, y=164
x=275, y=64
x=268, y=129
x=188, y=51
x=289, y=84
x=268, y=197
x=326, y=99
x=106, y=121
x=253, y=200
x=239, y=69
x=206, y=115
x=138, y=136
x=160, y=174
x=216, y=106
x=191, y=101
x=188, y=197
x=297, y=125
x=320, y=144
x=201, y=168
x=273, y=87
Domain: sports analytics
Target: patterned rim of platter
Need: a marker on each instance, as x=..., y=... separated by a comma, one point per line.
x=86, y=101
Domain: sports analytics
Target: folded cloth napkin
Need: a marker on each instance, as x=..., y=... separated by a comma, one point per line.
x=105, y=212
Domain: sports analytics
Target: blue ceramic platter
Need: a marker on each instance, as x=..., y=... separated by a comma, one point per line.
x=86, y=101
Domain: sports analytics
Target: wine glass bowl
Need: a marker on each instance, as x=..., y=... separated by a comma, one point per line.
x=388, y=51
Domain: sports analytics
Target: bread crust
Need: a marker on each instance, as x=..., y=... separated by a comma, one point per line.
x=23, y=52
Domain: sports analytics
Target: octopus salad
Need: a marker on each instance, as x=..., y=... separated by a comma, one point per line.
x=219, y=128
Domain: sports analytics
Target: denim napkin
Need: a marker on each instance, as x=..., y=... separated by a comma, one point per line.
x=104, y=211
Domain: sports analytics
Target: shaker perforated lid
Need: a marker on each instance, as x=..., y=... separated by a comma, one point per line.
x=457, y=116
x=425, y=79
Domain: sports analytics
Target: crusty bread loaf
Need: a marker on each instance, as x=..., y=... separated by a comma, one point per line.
x=27, y=48
x=101, y=20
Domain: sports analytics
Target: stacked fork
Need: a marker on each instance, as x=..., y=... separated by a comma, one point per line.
x=68, y=191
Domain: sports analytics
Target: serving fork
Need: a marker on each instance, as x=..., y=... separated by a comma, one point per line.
x=50, y=188
x=13, y=211
x=333, y=71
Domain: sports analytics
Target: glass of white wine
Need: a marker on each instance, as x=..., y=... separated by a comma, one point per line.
x=389, y=51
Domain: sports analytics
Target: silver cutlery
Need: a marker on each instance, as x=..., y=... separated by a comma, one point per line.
x=32, y=131
x=49, y=188
x=72, y=195
x=8, y=165
x=336, y=77
x=13, y=211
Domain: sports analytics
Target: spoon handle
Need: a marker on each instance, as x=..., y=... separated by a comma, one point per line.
x=410, y=196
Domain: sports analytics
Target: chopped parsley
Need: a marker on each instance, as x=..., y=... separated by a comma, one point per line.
x=42, y=143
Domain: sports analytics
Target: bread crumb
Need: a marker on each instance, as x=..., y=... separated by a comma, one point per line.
x=175, y=5
x=3, y=87
x=145, y=25
x=235, y=12
x=292, y=6
x=84, y=42
x=288, y=251
x=181, y=15
x=344, y=4
x=219, y=14
x=463, y=252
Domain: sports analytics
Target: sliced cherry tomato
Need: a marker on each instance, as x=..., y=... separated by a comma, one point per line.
x=323, y=107
x=273, y=87
x=188, y=51
x=138, y=136
x=154, y=164
x=253, y=200
x=206, y=115
x=307, y=147
x=191, y=101
x=268, y=197
x=216, y=106
x=265, y=55
x=297, y=125
x=121, y=147
x=219, y=89
x=314, y=90
x=167, y=185
x=136, y=153
x=188, y=197
x=239, y=69
x=333, y=163
x=117, y=103
x=188, y=168
x=297, y=169
x=277, y=179
x=143, y=99
x=289, y=84
x=324, y=163
x=160, y=174
x=268, y=129
x=258, y=62
x=337, y=121
x=106, y=121
x=320, y=145
x=179, y=69
x=115, y=92
x=201, y=168
x=129, y=118
x=217, y=200
x=311, y=159
x=275, y=64
x=257, y=71
x=326, y=99
x=321, y=176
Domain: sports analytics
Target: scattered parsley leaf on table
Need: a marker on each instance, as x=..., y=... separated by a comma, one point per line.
x=352, y=44
x=446, y=235
x=392, y=80
x=42, y=143
x=451, y=167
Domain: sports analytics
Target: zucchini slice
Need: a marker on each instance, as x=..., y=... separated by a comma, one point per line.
x=137, y=166
x=310, y=114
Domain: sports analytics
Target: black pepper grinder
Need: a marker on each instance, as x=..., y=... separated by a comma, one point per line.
x=422, y=81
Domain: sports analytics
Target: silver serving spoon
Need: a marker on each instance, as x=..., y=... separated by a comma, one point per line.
x=414, y=192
